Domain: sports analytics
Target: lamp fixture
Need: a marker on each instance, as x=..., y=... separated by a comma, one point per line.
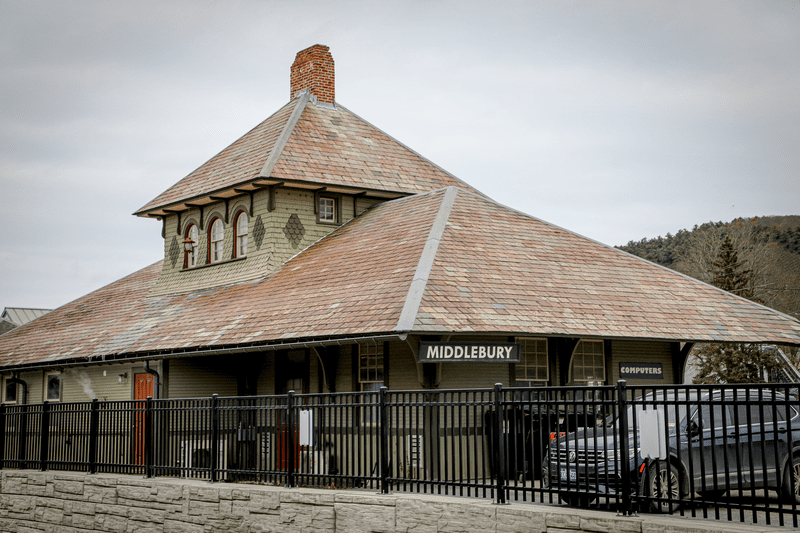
x=188, y=247
x=123, y=377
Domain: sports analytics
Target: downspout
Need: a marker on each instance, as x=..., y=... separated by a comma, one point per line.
x=157, y=383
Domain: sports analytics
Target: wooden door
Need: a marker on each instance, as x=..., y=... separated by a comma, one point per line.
x=143, y=387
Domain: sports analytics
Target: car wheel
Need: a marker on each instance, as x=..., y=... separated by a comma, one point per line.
x=662, y=483
x=791, y=481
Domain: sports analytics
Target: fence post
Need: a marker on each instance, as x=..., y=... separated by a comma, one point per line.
x=214, y=437
x=290, y=445
x=148, y=437
x=22, y=442
x=622, y=406
x=44, y=436
x=383, y=416
x=94, y=426
x=2, y=435
x=499, y=444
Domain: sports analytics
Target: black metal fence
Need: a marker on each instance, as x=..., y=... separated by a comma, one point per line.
x=729, y=452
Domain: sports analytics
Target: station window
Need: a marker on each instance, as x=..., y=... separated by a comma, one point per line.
x=327, y=209
x=589, y=362
x=9, y=391
x=532, y=370
x=52, y=387
x=240, y=237
x=370, y=366
x=370, y=377
x=216, y=244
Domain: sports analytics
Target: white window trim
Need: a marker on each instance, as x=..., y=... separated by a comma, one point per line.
x=333, y=210
x=212, y=246
x=241, y=236
x=60, y=386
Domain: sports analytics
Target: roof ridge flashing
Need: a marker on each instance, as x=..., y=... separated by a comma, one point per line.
x=416, y=290
x=277, y=149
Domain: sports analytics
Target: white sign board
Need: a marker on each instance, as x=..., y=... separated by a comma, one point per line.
x=652, y=434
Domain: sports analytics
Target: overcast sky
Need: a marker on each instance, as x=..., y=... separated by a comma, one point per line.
x=616, y=120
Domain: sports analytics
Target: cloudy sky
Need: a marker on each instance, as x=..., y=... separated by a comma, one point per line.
x=616, y=120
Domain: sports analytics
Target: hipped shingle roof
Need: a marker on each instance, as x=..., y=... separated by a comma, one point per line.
x=448, y=261
x=319, y=144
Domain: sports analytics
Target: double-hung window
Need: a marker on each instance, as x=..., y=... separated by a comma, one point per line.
x=370, y=375
x=240, y=239
x=52, y=387
x=216, y=241
x=327, y=209
x=532, y=370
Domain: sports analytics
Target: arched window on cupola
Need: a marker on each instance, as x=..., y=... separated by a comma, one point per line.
x=216, y=240
x=240, y=228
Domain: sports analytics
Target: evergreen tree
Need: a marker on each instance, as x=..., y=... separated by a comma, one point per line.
x=730, y=274
x=732, y=362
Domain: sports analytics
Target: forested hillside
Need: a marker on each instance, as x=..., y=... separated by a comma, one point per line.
x=769, y=248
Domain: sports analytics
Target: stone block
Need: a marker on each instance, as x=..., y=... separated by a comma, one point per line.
x=203, y=494
x=563, y=520
x=178, y=526
x=302, y=518
x=48, y=515
x=611, y=525
x=519, y=519
x=61, y=487
x=200, y=508
x=306, y=497
x=133, y=492
x=168, y=494
x=358, y=518
x=146, y=515
x=99, y=494
x=265, y=502
x=115, y=510
x=82, y=521
x=111, y=523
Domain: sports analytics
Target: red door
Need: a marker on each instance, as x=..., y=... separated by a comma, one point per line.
x=142, y=389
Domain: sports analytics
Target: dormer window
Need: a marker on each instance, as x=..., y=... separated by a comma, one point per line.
x=240, y=237
x=327, y=209
x=216, y=243
x=191, y=257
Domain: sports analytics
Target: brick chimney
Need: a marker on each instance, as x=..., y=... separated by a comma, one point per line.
x=313, y=69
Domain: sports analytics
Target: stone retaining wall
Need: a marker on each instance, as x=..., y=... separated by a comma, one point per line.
x=52, y=502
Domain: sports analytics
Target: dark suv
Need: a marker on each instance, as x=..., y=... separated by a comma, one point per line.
x=712, y=442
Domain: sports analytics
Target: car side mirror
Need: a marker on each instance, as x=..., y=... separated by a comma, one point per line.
x=692, y=429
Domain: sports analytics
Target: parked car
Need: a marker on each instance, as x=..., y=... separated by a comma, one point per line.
x=714, y=442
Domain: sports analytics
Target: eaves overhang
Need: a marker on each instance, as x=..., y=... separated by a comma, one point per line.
x=258, y=183
x=203, y=351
